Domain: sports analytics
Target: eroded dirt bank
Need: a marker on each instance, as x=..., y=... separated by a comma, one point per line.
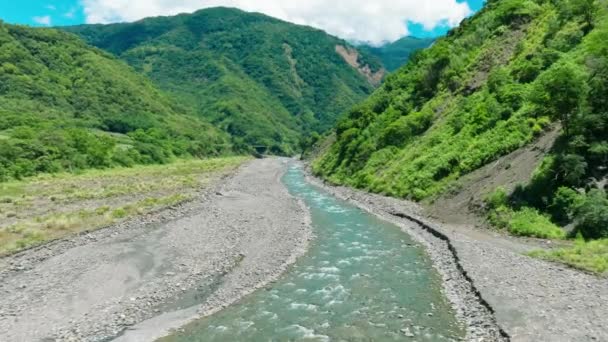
x=502, y=289
x=233, y=238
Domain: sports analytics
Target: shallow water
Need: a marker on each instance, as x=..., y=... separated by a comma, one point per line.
x=361, y=280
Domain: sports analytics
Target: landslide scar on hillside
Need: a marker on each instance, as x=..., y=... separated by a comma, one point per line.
x=351, y=56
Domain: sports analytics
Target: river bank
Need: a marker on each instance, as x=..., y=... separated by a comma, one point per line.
x=98, y=285
x=362, y=279
x=141, y=278
x=497, y=292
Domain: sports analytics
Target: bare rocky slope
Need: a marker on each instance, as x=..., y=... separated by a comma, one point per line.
x=465, y=203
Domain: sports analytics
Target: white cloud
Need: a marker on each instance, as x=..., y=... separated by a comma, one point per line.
x=43, y=20
x=363, y=20
x=51, y=7
x=71, y=13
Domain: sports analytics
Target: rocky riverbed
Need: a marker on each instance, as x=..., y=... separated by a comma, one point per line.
x=231, y=239
x=138, y=280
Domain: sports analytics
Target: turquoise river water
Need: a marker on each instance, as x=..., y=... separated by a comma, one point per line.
x=362, y=279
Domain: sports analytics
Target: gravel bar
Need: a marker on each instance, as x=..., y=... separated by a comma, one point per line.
x=235, y=237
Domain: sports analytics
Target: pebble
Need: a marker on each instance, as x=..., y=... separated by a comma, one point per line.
x=407, y=332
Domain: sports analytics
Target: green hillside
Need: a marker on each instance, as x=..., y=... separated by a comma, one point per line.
x=262, y=80
x=396, y=54
x=490, y=87
x=65, y=106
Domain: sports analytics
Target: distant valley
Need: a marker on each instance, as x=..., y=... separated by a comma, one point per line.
x=264, y=81
x=210, y=83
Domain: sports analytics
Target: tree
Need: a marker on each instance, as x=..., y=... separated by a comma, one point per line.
x=565, y=204
x=572, y=168
x=586, y=9
x=560, y=92
x=593, y=215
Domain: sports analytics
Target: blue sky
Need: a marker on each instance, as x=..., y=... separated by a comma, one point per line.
x=37, y=12
x=419, y=31
x=71, y=12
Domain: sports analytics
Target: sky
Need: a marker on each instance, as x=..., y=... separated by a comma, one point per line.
x=373, y=21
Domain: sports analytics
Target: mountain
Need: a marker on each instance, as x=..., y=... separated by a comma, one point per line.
x=265, y=81
x=396, y=54
x=66, y=106
x=510, y=75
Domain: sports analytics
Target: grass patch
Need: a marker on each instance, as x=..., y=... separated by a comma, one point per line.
x=589, y=256
x=35, y=231
x=119, y=213
x=48, y=207
x=526, y=222
x=529, y=222
x=11, y=190
x=122, y=181
x=55, y=191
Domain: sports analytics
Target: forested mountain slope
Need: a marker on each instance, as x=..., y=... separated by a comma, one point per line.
x=492, y=86
x=264, y=81
x=66, y=106
x=396, y=54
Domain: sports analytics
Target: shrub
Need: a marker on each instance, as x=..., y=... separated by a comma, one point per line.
x=568, y=37
x=565, y=204
x=119, y=213
x=497, y=199
x=500, y=217
x=572, y=168
x=512, y=12
x=405, y=129
x=529, y=222
x=593, y=215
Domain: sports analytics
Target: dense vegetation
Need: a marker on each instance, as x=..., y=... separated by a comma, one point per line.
x=67, y=106
x=396, y=54
x=264, y=81
x=488, y=88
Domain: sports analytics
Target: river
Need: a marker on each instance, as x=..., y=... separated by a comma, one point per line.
x=363, y=279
